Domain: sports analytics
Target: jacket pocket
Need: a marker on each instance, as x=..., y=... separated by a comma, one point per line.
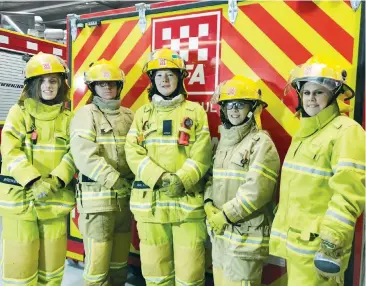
x=142, y=202
x=13, y=200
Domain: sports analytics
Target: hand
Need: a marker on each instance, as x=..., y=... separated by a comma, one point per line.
x=54, y=182
x=218, y=222
x=41, y=190
x=172, y=186
x=210, y=209
x=121, y=184
x=327, y=261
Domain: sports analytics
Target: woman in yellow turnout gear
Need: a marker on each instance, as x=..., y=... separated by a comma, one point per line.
x=239, y=194
x=322, y=190
x=168, y=148
x=36, y=192
x=98, y=135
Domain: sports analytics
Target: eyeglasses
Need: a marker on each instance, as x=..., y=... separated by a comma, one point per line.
x=106, y=83
x=235, y=104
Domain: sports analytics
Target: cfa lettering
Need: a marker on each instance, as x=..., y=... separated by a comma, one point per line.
x=208, y=107
x=197, y=74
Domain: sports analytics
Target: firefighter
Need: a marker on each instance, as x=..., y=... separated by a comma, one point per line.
x=36, y=192
x=322, y=190
x=239, y=194
x=98, y=135
x=168, y=148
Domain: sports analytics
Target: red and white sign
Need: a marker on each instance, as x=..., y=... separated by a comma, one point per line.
x=196, y=37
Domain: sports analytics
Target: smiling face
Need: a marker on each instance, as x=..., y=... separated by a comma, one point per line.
x=106, y=89
x=50, y=84
x=166, y=81
x=237, y=111
x=315, y=97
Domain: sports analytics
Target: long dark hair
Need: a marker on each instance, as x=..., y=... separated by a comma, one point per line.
x=32, y=89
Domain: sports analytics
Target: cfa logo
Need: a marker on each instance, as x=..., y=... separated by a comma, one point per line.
x=195, y=37
x=46, y=66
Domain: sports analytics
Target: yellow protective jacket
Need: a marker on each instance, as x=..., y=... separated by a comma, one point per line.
x=322, y=187
x=25, y=160
x=153, y=149
x=98, y=138
x=245, y=171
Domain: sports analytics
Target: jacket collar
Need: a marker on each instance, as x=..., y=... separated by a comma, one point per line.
x=42, y=111
x=160, y=103
x=310, y=125
x=235, y=134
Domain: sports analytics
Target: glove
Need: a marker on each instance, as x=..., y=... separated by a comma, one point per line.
x=172, y=186
x=41, y=190
x=210, y=209
x=121, y=184
x=327, y=261
x=54, y=182
x=218, y=222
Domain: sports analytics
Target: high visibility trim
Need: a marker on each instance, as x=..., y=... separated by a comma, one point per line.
x=117, y=265
x=52, y=274
x=340, y=218
x=245, y=202
x=16, y=162
x=42, y=147
x=263, y=170
x=111, y=140
x=142, y=166
x=98, y=195
x=350, y=164
x=86, y=134
x=87, y=276
x=195, y=283
x=310, y=252
x=68, y=159
x=154, y=279
x=162, y=141
x=191, y=163
x=307, y=170
x=10, y=127
x=20, y=281
x=96, y=171
x=227, y=236
x=132, y=132
x=167, y=205
x=54, y=203
x=229, y=174
x=8, y=204
x=276, y=233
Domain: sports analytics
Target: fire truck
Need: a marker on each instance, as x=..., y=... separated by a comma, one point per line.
x=263, y=40
x=15, y=49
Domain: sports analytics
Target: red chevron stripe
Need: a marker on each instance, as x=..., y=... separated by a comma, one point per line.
x=348, y=3
x=224, y=73
x=277, y=33
x=89, y=46
x=141, y=84
x=118, y=40
x=325, y=26
x=257, y=63
x=134, y=55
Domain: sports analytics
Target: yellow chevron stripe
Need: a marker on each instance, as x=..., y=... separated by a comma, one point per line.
x=303, y=33
x=263, y=44
x=135, y=73
x=81, y=40
x=83, y=101
x=128, y=44
x=141, y=100
x=276, y=107
x=341, y=13
x=101, y=45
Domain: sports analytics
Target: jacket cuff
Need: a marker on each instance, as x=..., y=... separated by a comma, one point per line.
x=111, y=180
x=230, y=212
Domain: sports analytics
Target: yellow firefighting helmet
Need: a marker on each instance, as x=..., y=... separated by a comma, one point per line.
x=241, y=88
x=325, y=72
x=103, y=70
x=42, y=64
x=165, y=59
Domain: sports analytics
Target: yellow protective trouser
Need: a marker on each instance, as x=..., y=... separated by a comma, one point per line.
x=173, y=253
x=305, y=274
x=34, y=252
x=107, y=238
x=230, y=270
